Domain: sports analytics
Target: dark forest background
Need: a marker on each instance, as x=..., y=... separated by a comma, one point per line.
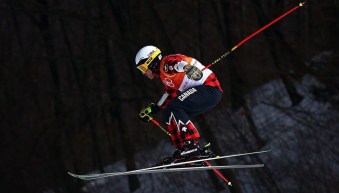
x=70, y=93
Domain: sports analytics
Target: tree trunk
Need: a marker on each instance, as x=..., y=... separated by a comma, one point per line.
x=280, y=50
x=127, y=146
x=209, y=136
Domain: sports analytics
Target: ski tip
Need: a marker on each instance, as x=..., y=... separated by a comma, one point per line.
x=76, y=176
x=71, y=174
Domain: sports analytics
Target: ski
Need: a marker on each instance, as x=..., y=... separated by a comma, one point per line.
x=163, y=170
x=94, y=176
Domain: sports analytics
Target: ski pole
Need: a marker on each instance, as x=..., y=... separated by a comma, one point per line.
x=158, y=124
x=219, y=174
x=207, y=162
x=255, y=33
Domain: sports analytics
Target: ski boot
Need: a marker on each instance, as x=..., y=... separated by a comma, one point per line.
x=189, y=151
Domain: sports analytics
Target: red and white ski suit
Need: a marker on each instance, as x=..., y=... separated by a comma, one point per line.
x=185, y=97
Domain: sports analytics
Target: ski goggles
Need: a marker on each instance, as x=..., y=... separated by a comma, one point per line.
x=144, y=64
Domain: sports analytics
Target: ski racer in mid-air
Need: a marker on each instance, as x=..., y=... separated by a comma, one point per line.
x=190, y=90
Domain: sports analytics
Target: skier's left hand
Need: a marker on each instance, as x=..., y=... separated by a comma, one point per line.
x=145, y=113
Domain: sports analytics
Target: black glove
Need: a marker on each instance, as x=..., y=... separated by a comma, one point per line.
x=147, y=112
x=193, y=72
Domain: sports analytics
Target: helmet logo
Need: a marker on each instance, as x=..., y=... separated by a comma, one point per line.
x=149, y=60
x=150, y=54
x=168, y=82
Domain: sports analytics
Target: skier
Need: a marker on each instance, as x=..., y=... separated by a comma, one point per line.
x=190, y=90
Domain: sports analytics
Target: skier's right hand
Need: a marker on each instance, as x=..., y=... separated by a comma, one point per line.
x=145, y=113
